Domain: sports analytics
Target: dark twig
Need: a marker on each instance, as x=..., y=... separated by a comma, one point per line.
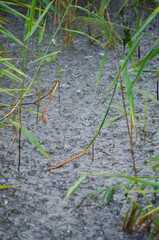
x=122, y=92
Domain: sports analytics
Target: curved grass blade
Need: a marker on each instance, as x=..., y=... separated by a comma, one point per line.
x=112, y=120
x=10, y=65
x=152, y=54
x=10, y=35
x=10, y=75
x=45, y=57
x=148, y=180
x=10, y=186
x=146, y=95
x=30, y=138
x=73, y=189
x=6, y=8
x=82, y=34
x=145, y=23
x=6, y=91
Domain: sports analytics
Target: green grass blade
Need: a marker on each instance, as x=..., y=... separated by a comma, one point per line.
x=146, y=95
x=153, y=54
x=152, y=160
x=72, y=189
x=10, y=186
x=82, y=34
x=6, y=8
x=145, y=23
x=47, y=2
x=111, y=121
x=11, y=66
x=45, y=57
x=10, y=75
x=148, y=180
x=30, y=138
x=144, y=71
x=31, y=17
x=10, y=35
x=5, y=91
x=34, y=27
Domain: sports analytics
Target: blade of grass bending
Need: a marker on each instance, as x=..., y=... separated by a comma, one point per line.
x=10, y=35
x=34, y=27
x=44, y=57
x=152, y=54
x=146, y=95
x=120, y=9
x=30, y=138
x=134, y=179
x=127, y=81
x=72, y=190
x=10, y=186
x=7, y=59
x=10, y=10
x=5, y=91
x=111, y=121
x=46, y=52
x=146, y=59
x=145, y=23
x=10, y=65
x=81, y=33
x=144, y=71
x=152, y=160
x=10, y=75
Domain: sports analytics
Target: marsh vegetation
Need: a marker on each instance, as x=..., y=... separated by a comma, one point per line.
x=79, y=81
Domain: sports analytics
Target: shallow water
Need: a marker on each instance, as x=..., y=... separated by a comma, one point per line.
x=31, y=211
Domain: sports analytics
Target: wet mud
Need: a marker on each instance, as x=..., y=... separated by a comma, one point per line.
x=30, y=211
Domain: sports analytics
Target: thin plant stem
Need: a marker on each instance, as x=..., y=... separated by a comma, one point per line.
x=20, y=128
x=122, y=92
x=107, y=111
x=145, y=119
x=127, y=123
